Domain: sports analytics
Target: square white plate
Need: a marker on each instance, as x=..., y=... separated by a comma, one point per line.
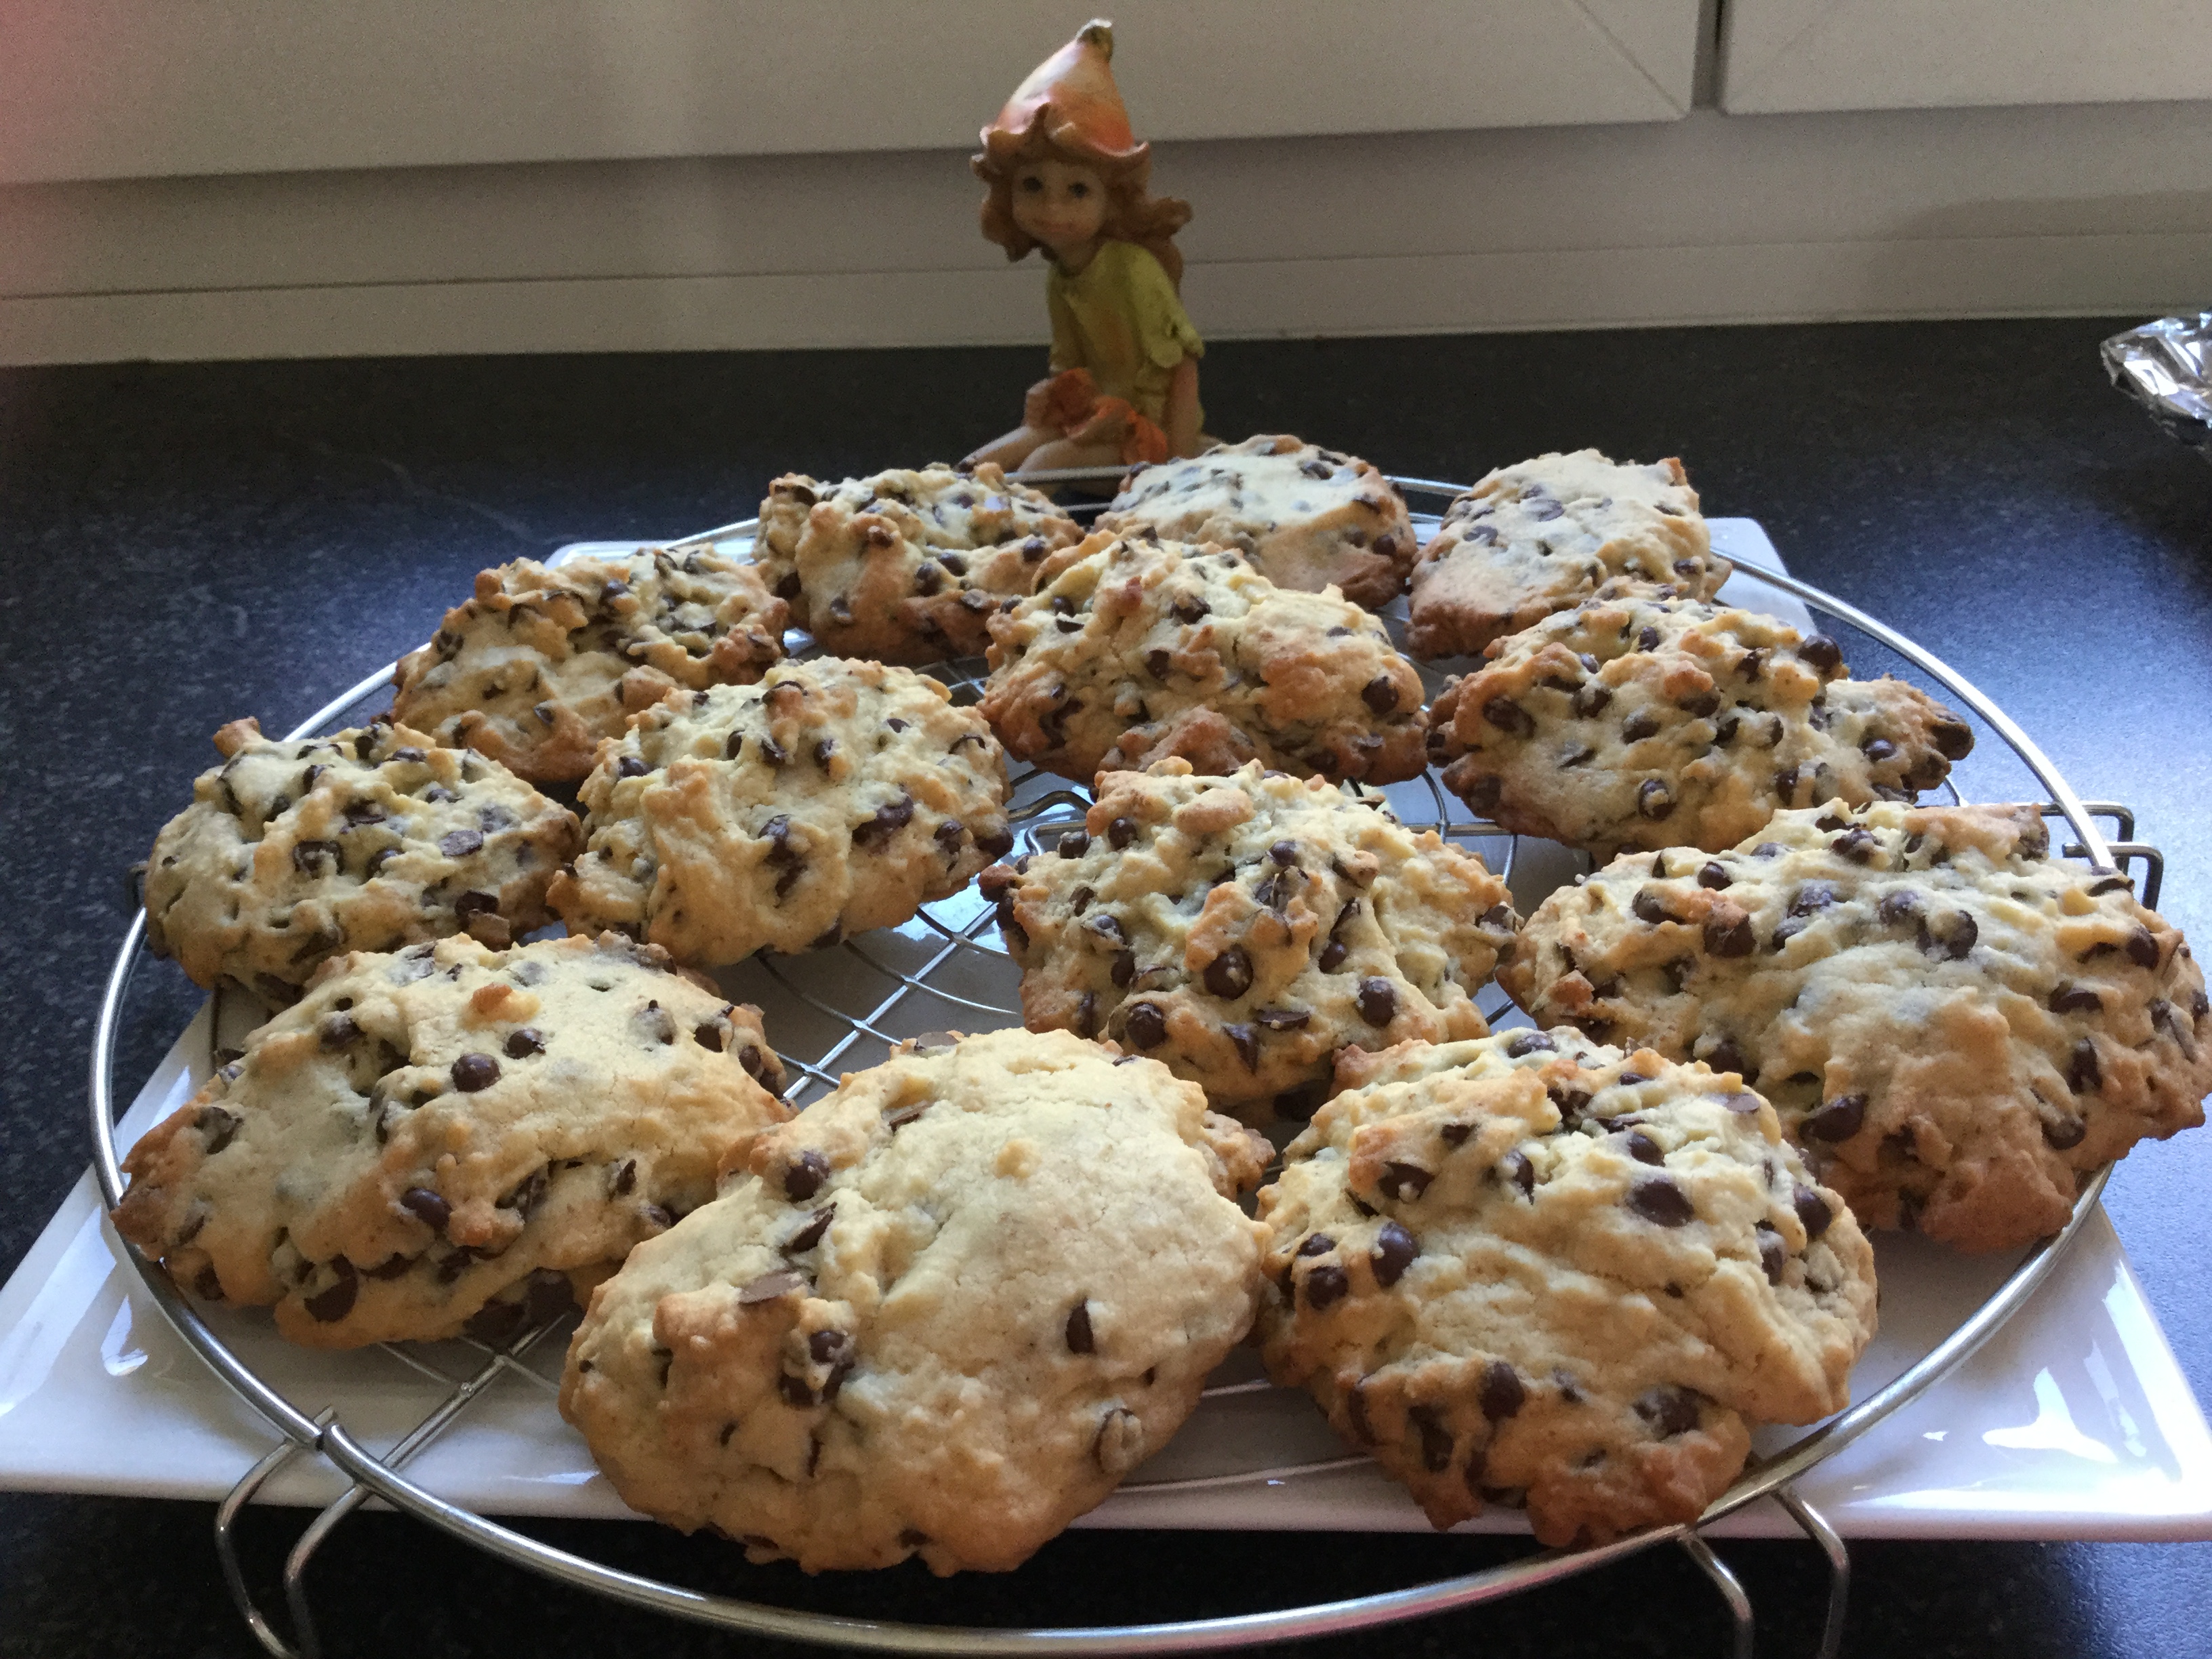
x=2073, y=1422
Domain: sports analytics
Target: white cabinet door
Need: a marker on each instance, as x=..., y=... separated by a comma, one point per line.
x=1907, y=54
x=128, y=88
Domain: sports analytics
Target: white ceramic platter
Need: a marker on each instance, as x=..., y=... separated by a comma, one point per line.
x=2073, y=1422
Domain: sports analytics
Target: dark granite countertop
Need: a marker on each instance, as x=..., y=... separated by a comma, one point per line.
x=186, y=544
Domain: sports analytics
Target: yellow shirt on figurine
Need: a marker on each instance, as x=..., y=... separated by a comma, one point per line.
x=1120, y=318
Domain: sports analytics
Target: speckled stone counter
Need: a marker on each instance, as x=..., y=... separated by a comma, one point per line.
x=186, y=544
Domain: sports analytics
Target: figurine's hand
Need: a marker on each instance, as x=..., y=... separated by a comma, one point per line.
x=1036, y=407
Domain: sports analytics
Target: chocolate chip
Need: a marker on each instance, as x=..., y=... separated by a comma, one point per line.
x=427, y=1207
x=1773, y=1255
x=1378, y=1002
x=804, y=1175
x=2143, y=949
x=1812, y=1210
x=1121, y=833
x=1645, y=1150
x=1405, y=1181
x=1146, y=1025
x=1857, y=844
x=811, y=1231
x=1837, y=1119
x=1502, y=1393
x=1079, y=1339
x=1325, y=1285
x=337, y=1031
x=1315, y=1244
x=2064, y=1133
x=335, y=1302
x=629, y=766
x=1157, y=662
x=1508, y=716
x=768, y=1286
x=1516, y=1169
x=1949, y=936
x=461, y=843
x=1823, y=653
x=1647, y=907
x=1899, y=907
x=525, y=1042
x=1380, y=695
x=2068, y=998
x=320, y=858
x=1953, y=739
x=948, y=835
x=1394, y=1253
x=473, y=1071
x=1074, y=844
x=1285, y=852
x=1669, y=1410
x=623, y=1178
x=2084, y=1075
x=1654, y=798
x=1229, y=976
x=1659, y=1201
x=1725, y=936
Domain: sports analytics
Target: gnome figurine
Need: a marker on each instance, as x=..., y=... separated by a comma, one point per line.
x=1066, y=174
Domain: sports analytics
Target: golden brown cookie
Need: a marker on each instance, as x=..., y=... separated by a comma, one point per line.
x=1308, y=518
x=1245, y=929
x=833, y=797
x=940, y=1313
x=1533, y=1270
x=545, y=663
x=451, y=1139
x=1956, y=1027
x=1548, y=534
x=296, y=852
x=1136, y=650
x=906, y=566
x=1639, y=720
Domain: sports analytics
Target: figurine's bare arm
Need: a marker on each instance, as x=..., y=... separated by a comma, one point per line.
x=1182, y=412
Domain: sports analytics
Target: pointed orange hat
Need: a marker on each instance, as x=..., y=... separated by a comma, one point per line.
x=1071, y=100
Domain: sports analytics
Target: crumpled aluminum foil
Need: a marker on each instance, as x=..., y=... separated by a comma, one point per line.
x=2166, y=366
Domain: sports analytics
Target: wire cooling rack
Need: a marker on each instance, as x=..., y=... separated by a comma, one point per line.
x=848, y=1005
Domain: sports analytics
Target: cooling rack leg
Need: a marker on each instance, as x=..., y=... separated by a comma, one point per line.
x=1732, y=1591
x=226, y=1547
x=1817, y=1528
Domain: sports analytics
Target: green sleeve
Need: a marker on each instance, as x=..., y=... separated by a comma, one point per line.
x=1165, y=333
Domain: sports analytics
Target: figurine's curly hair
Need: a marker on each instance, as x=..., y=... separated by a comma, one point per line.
x=1132, y=215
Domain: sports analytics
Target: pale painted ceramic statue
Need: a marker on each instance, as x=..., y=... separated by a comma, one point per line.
x=1066, y=175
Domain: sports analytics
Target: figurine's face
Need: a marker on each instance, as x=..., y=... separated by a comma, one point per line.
x=1061, y=205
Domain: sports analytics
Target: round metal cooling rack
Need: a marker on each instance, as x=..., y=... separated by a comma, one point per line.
x=952, y=979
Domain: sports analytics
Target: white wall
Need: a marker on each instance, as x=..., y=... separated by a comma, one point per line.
x=1714, y=218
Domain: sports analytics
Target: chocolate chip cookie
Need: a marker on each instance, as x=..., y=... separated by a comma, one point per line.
x=1956, y=1027
x=940, y=1313
x=1244, y=929
x=1636, y=721
x=833, y=797
x=450, y=1140
x=906, y=566
x=1134, y=650
x=1308, y=518
x=293, y=853
x=545, y=663
x=1548, y=534
x=1534, y=1270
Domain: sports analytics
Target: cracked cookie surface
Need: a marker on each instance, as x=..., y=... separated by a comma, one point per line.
x=1308, y=518
x=1637, y=721
x=1548, y=534
x=546, y=661
x=451, y=1139
x=1956, y=1027
x=833, y=797
x=1135, y=650
x=906, y=566
x=940, y=1313
x=1244, y=929
x=1532, y=1269
x=372, y=838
